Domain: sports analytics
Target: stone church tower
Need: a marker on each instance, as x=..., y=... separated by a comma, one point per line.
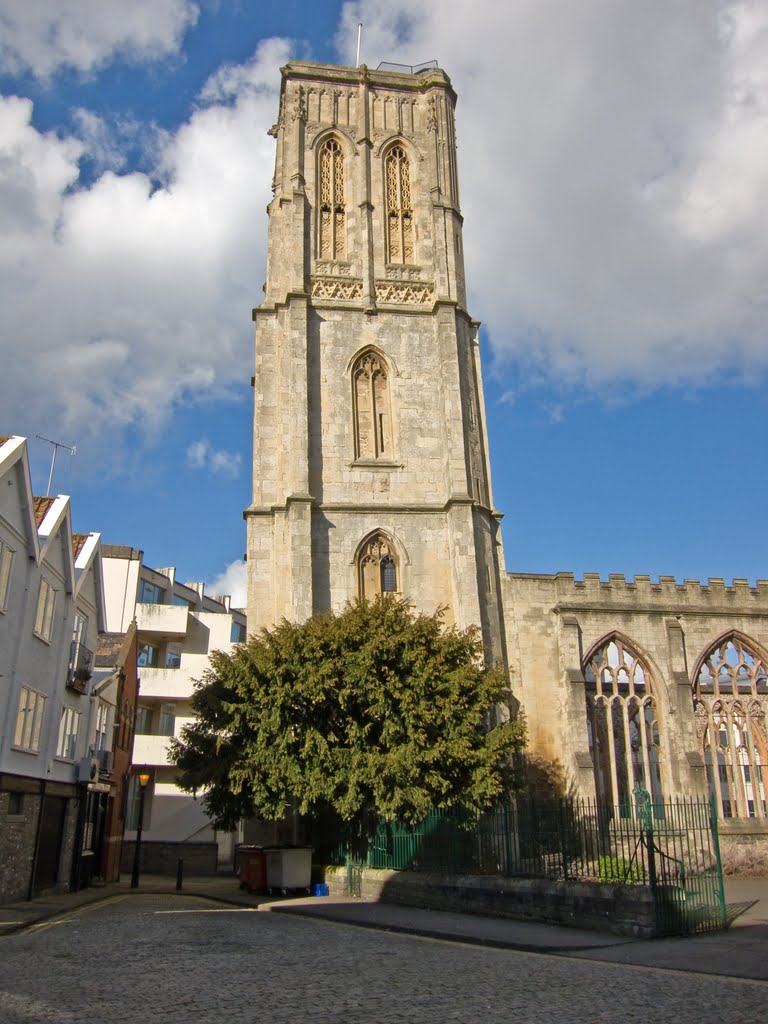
x=370, y=468
x=371, y=471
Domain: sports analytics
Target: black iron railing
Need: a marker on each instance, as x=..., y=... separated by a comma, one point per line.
x=80, y=667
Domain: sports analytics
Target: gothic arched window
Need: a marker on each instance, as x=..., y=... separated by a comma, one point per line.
x=399, y=208
x=730, y=699
x=371, y=407
x=377, y=566
x=332, y=225
x=623, y=724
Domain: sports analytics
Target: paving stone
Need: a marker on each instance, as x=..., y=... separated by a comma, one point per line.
x=171, y=959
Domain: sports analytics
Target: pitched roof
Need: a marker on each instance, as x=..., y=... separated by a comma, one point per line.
x=78, y=540
x=108, y=647
x=41, y=508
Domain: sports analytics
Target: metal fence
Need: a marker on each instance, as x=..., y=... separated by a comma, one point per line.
x=670, y=846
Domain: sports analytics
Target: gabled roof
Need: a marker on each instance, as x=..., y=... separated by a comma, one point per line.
x=86, y=549
x=13, y=458
x=48, y=522
x=78, y=541
x=56, y=526
x=42, y=507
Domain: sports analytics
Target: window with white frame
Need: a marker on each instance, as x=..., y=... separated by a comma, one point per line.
x=102, y=725
x=6, y=556
x=68, y=726
x=46, y=599
x=29, y=720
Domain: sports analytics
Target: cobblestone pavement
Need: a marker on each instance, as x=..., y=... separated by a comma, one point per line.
x=173, y=959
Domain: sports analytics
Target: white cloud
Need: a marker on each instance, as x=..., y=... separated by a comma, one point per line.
x=42, y=36
x=614, y=169
x=124, y=298
x=197, y=453
x=200, y=455
x=231, y=581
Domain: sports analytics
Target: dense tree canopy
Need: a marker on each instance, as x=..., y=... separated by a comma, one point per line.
x=373, y=712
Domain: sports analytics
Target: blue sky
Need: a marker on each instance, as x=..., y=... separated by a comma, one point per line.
x=614, y=172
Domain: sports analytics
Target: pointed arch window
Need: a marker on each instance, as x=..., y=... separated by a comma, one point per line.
x=623, y=724
x=371, y=407
x=730, y=701
x=332, y=220
x=399, y=207
x=378, y=567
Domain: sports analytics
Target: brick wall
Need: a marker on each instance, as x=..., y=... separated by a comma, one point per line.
x=158, y=858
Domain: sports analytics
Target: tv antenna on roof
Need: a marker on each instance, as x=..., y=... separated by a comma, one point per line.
x=56, y=445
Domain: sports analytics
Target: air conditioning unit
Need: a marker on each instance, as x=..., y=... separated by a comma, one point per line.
x=106, y=760
x=88, y=769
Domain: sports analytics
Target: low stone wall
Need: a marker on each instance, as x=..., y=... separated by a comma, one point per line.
x=157, y=858
x=618, y=909
x=744, y=846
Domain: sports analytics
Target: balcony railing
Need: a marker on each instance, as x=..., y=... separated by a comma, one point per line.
x=80, y=667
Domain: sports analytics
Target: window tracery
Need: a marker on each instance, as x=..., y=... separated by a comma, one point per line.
x=623, y=724
x=373, y=427
x=399, y=207
x=332, y=221
x=730, y=701
x=378, y=567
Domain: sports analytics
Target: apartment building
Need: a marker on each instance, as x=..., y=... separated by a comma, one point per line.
x=57, y=713
x=177, y=625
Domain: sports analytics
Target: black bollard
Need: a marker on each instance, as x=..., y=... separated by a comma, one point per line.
x=179, y=874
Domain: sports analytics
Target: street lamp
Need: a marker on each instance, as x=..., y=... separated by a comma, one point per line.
x=143, y=776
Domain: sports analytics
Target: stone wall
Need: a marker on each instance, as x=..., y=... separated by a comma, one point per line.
x=17, y=843
x=618, y=909
x=554, y=622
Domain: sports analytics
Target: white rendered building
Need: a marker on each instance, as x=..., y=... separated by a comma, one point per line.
x=178, y=626
x=55, y=724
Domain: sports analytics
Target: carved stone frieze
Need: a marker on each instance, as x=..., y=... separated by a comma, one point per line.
x=403, y=273
x=334, y=288
x=299, y=110
x=432, y=115
x=332, y=268
x=404, y=293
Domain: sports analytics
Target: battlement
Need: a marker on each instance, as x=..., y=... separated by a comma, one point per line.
x=664, y=584
x=617, y=586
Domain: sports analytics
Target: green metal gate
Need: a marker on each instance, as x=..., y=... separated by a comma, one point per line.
x=684, y=869
x=671, y=847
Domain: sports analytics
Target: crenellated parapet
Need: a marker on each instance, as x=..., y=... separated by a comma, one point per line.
x=643, y=592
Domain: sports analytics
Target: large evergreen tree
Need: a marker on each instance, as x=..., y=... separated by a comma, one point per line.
x=373, y=712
